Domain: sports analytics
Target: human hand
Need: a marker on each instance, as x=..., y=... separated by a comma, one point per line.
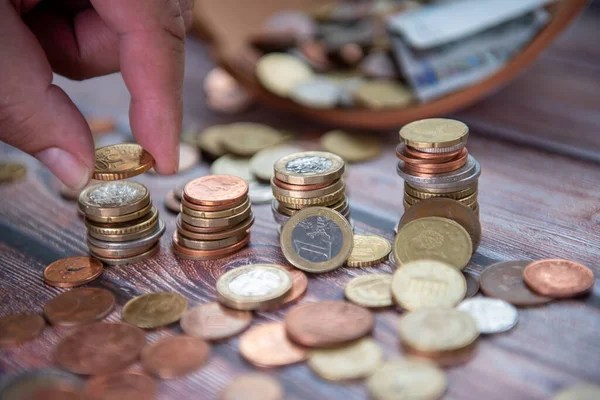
x=80, y=39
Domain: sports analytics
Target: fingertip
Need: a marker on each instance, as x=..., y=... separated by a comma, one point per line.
x=72, y=171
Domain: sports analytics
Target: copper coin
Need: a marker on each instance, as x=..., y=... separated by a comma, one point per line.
x=171, y=202
x=315, y=54
x=175, y=356
x=431, y=156
x=289, y=186
x=215, y=190
x=222, y=207
x=207, y=254
x=299, y=286
x=405, y=155
x=254, y=386
x=558, y=278
x=446, y=166
x=120, y=386
x=233, y=231
x=446, y=358
x=72, y=271
x=504, y=280
x=79, y=306
x=100, y=348
x=328, y=323
x=57, y=393
x=213, y=321
x=267, y=345
x=472, y=286
x=18, y=328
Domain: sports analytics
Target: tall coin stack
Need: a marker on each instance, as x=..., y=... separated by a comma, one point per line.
x=434, y=162
x=122, y=224
x=215, y=218
x=308, y=179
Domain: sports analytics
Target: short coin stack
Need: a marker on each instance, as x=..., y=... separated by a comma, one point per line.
x=215, y=218
x=434, y=162
x=308, y=179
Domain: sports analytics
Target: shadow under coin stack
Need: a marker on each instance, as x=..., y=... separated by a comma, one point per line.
x=434, y=162
x=122, y=224
x=215, y=218
x=308, y=179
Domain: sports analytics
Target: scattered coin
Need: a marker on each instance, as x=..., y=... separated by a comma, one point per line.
x=408, y=379
x=175, y=356
x=317, y=92
x=261, y=164
x=253, y=286
x=113, y=199
x=10, y=172
x=215, y=190
x=558, y=278
x=383, y=94
x=328, y=323
x=72, y=271
x=504, y=280
x=232, y=165
x=353, y=360
x=253, y=386
x=433, y=238
x=247, y=138
x=491, y=315
x=171, y=202
x=372, y=290
x=121, y=385
x=213, y=321
x=260, y=193
x=426, y=284
x=100, y=348
x=79, y=306
x=368, y=250
x=267, y=345
x=352, y=147
x=224, y=93
x=41, y=384
x=309, y=167
x=434, y=133
x=472, y=286
x=18, y=328
x=121, y=161
x=299, y=285
x=209, y=140
x=280, y=73
x=153, y=310
x=581, y=391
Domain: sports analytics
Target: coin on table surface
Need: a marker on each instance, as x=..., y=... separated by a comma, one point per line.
x=299, y=285
x=100, y=348
x=472, y=286
x=352, y=147
x=121, y=385
x=11, y=171
x=72, y=271
x=232, y=165
x=18, y=328
x=253, y=286
x=215, y=190
x=171, y=202
x=247, y=138
x=209, y=140
x=408, y=379
x=253, y=386
x=309, y=167
x=280, y=73
x=175, y=356
x=113, y=199
x=121, y=161
x=491, y=315
x=224, y=93
x=267, y=345
x=318, y=92
x=379, y=94
x=504, y=280
x=79, y=306
x=328, y=323
x=317, y=239
x=369, y=250
x=153, y=310
x=434, y=133
x=260, y=193
x=581, y=391
x=558, y=278
x=446, y=208
x=353, y=360
x=213, y=321
x=261, y=164
x=40, y=384
x=371, y=290
x=427, y=284
x=433, y=238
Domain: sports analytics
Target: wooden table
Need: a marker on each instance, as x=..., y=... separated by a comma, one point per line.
x=540, y=198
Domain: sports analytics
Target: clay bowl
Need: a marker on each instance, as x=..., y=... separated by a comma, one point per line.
x=227, y=24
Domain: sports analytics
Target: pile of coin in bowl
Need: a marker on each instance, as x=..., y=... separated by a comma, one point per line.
x=215, y=218
x=308, y=179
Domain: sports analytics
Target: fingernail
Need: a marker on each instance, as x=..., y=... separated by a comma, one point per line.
x=68, y=168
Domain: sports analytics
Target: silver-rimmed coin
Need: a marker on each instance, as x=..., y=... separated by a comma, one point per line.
x=318, y=92
x=114, y=198
x=260, y=193
x=459, y=178
x=152, y=237
x=491, y=315
x=129, y=260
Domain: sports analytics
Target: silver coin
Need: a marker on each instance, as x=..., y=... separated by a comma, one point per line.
x=450, y=149
x=131, y=244
x=318, y=92
x=348, y=88
x=459, y=178
x=491, y=315
x=259, y=193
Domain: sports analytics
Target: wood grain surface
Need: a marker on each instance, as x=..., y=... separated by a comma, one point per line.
x=539, y=195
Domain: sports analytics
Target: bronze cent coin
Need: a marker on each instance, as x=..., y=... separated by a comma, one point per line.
x=253, y=386
x=121, y=385
x=72, y=271
x=267, y=345
x=299, y=286
x=558, y=278
x=18, y=328
x=504, y=280
x=215, y=190
x=328, y=323
x=79, y=306
x=100, y=348
x=175, y=356
x=213, y=321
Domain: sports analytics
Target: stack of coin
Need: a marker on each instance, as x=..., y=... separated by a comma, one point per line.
x=123, y=225
x=308, y=179
x=215, y=218
x=434, y=162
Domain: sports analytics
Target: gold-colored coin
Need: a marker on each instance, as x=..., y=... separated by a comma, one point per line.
x=126, y=237
x=124, y=228
x=253, y=287
x=408, y=379
x=327, y=199
x=261, y=164
x=426, y=284
x=247, y=138
x=369, y=250
x=421, y=194
x=357, y=359
x=581, y=391
x=280, y=73
x=352, y=147
x=307, y=194
x=372, y=290
x=468, y=201
x=113, y=199
x=209, y=244
x=11, y=172
x=146, y=211
x=383, y=94
x=434, y=133
x=224, y=222
x=232, y=165
x=216, y=214
x=433, y=238
x=209, y=140
x=153, y=310
x=438, y=330
x=309, y=167
x=121, y=161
